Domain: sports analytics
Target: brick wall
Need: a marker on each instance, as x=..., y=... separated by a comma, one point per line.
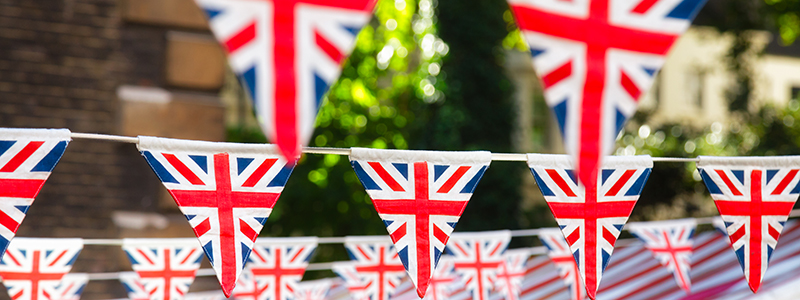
x=62, y=64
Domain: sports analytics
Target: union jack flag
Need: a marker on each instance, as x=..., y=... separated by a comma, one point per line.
x=276, y=266
x=671, y=243
x=359, y=287
x=596, y=58
x=561, y=255
x=71, y=286
x=444, y=278
x=225, y=190
x=591, y=217
x=313, y=289
x=133, y=285
x=477, y=258
x=376, y=262
x=543, y=282
x=286, y=54
x=754, y=196
x=510, y=273
x=166, y=267
x=420, y=196
x=212, y=295
x=27, y=156
x=32, y=268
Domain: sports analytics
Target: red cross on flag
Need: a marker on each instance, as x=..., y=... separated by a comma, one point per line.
x=511, y=272
x=377, y=264
x=671, y=244
x=754, y=196
x=275, y=268
x=166, y=267
x=596, y=58
x=225, y=190
x=71, y=286
x=33, y=268
x=286, y=54
x=313, y=289
x=561, y=255
x=477, y=257
x=591, y=217
x=420, y=195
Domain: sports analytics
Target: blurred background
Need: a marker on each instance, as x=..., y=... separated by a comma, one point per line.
x=427, y=74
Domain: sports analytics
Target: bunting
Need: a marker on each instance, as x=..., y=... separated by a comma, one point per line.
x=287, y=54
x=542, y=281
x=27, y=157
x=71, y=286
x=754, y=196
x=133, y=286
x=377, y=264
x=671, y=243
x=359, y=287
x=443, y=278
x=313, y=289
x=420, y=195
x=510, y=273
x=596, y=58
x=32, y=268
x=477, y=257
x=560, y=254
x=591, y=217
x=166, y=267
x=275, y=268
x=225, y=190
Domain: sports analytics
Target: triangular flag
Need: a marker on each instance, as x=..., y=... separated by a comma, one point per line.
x=754, y=196
x=358, y=286
x=420, y=195
x=33, y=268
x=210, y=295
x=719, y=225
x=27, y=156
x=71, y=286
x=275, y=268
x=591, y=217
x=166, y=267
x=671, y=243
x=511, y=272
x=287, y=54
x=439, y=289
x=596, y=58
x=561, y=255
x=225, y=190
x=133, y=285
x=313, y=289
x=376, y=262
x=477, y=257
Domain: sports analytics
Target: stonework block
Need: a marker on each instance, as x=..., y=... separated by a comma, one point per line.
x=194, y=61
x=180, y=13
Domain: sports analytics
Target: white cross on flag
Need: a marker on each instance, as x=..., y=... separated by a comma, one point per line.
x=754, y=196
x=420, y=195
x=286, y=54
x=166, y=267
x=477, y=257
x=671, y=244
x=225, y=190
x=275, y=268
x=32, y=268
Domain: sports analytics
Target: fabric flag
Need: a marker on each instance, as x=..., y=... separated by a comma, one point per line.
x=420, y=195
x=671, y=243
x=477, y=257
x=596, y=58
x=313, y=289
x=359, y=287
x=225, y=190
x=166, y=267
x=133, y=286
x=32, y=268
x=71, y=286
x=510, y=273
x=377, y=262
x=443, y=278
x=754, y=196
x=211, y=295
x=591, y=217
x=560, y=254
x=27, y=156
x=543, y=282
x=719, y=225
x=276, y=266
x=287, y=54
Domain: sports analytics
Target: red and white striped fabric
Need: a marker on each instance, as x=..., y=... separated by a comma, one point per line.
x=542, y=281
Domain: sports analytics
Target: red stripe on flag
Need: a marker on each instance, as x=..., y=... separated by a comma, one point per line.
x=188, y=256
x=738, y=234
x=202, y=228
x=774, y=233
x=241, y=38
x=728, y=182
x=557, y=75
x=20, y=188
x=247, y=231
x=574, y=236
x=57, y=258
x=781, y=186
x=183, y=169
x=620, y=183
x=399, y=233
x=630, y=87
x=145, y=256
x=21, y=157
x=259, y=173
x=644, y=6
x=7, y=222
x=448, y=185
x=328, y=47
x=439, y=234
x=609, y=236
x=386, y=177
x=560, y=182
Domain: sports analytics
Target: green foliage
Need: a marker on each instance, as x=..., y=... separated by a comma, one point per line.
x=786, y=16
